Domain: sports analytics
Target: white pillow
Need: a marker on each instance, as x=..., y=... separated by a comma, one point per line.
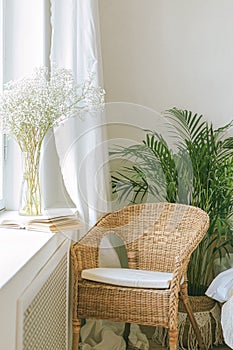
x=221, y=287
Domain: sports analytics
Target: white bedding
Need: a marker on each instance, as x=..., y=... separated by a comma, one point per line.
x=227, y=322
x=221, y=289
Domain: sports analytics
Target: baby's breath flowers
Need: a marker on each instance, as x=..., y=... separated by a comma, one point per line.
x=29, y=107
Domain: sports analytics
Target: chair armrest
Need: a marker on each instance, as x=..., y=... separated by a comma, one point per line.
x=180, y=269
x=84, y=257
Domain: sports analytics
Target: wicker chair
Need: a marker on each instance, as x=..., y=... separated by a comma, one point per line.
x=158, y=237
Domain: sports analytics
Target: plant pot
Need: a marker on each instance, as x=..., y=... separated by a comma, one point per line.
x=207, y=315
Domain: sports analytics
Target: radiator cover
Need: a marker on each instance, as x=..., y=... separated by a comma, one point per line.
x=43, y=307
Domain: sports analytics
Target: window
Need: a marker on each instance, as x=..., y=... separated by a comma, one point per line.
x=2, y=137
x=21, y=50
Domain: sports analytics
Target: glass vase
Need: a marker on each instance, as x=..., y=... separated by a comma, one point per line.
x=30, y=197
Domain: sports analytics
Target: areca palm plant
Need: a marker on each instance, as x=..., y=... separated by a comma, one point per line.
x=198, y=171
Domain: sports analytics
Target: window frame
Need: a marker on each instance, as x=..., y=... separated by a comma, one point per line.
x=3, y=142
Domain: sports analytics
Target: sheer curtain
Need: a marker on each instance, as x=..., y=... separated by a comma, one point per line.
x=75, y=44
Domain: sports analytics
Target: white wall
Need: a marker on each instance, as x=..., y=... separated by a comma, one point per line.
x=165, y=53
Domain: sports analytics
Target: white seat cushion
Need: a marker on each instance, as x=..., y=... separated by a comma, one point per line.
x=129, y=277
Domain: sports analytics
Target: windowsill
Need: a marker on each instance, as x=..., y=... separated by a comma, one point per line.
x=18, y=246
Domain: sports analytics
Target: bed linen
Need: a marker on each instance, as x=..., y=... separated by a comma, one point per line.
x=227, y=322
x=221, y=289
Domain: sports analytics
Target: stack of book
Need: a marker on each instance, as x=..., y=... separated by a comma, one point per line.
x=53, y=221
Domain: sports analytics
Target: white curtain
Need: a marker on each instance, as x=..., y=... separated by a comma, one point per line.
x=75, y=44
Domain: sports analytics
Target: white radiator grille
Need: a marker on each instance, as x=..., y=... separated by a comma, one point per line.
x=45, y=316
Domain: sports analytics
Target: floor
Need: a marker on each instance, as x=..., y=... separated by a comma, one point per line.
x=153, y=346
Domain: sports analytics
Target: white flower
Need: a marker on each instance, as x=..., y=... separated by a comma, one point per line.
x=34, y=104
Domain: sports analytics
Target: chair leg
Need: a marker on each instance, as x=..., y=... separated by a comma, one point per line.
x=193, y=321
x=173, y=339
x=76, y=334
x=126, y=334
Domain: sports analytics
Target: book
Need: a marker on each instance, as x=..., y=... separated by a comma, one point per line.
x=52, y=222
